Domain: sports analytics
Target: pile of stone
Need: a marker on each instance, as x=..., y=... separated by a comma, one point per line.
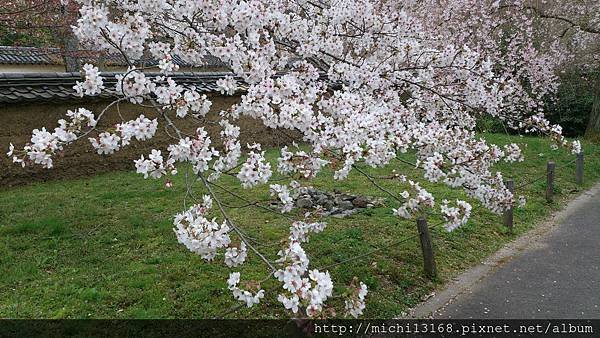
x=336, y=204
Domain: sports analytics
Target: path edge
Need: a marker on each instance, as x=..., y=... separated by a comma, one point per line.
x=530, y=240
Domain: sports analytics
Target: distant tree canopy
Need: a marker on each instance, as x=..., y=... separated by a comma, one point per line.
x=11, y=37
x=41, y=23
x=572, y=108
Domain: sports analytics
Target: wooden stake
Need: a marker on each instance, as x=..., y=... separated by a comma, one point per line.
x=426, y=247
x=549, y=181
x=508, y=214
x=579, y=169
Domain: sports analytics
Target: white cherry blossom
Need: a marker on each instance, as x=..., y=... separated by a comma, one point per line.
x=93, y=84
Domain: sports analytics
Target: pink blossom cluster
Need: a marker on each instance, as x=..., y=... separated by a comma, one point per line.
x=255, y=169
x=232, y=150
x=284, y=195
x=93, y=83
x=241, y=294
x=199, y=234
x=162, y=52
x=310, y=292
x=134, y=85
x=417, y=200
x=355, y=304
x=142, y=129
x=235, y=256
x=44, y=144
x=537, y=123
x=455, y=216
x=299, y=162
x=197, y=151
x=227, y=85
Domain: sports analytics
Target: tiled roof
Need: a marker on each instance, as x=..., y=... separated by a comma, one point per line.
x=35, y=87
x=15, y=55
x=29, y=55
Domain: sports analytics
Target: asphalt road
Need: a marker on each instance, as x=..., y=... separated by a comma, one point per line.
x=558, y=279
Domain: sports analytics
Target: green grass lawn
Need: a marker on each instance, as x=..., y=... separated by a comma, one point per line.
x=104, y=247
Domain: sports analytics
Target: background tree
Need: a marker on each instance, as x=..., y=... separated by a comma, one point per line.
x=43, y=23
x=577, y=26
x=541, y=44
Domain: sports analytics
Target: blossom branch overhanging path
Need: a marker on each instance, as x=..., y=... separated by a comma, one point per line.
x=410, y=80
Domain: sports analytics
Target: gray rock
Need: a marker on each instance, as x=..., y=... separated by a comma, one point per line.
x=326, y=203
x=304, y=202
x=345, y=205
x=319, y=198
x=337, y=200
x=334, y=211
x=312, y=192
x=345, y=213
x=346, y=197
x=360, y=202
x=339, y=203
x=329, y=204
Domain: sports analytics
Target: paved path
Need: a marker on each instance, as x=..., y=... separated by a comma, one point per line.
x=559, y=278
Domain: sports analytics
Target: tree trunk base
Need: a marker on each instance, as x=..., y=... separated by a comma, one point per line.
x=592, y=132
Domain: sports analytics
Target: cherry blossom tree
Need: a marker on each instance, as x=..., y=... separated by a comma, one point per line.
x=530, y=40
x=361, y=81
x=576, y=24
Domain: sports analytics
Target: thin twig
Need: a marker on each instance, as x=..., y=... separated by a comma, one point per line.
x=228, y=220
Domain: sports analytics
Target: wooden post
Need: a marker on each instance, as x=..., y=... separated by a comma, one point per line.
x=579, y=169
x=508, y=214
x=549, y=181
x=426, y=247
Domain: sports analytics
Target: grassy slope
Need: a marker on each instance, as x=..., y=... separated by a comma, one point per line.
x=103, y=247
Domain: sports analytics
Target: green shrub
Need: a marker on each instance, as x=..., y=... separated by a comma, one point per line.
x=573, y=104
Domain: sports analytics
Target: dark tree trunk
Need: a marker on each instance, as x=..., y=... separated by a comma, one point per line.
x=69, y=44
x=70, y=48
x=593, y=128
